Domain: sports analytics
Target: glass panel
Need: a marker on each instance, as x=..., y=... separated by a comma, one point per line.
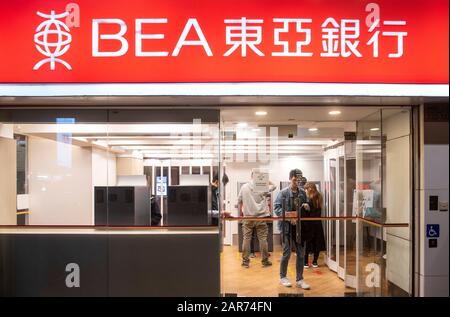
x=369, y=203
x=49, y=173
x=370, y=259
x=22, y=184
x=397, y=200
x=333, y=224
x=383, y=194
x=350, y=269
x=369, y=168
x=146, y=140
x=341, y=224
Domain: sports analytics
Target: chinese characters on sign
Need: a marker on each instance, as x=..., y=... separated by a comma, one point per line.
x=339, y=38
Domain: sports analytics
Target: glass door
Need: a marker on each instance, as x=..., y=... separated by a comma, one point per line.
x=350, y=225
x=335, y=197
x=368, y=199
x=331, y=212
x=341, y=213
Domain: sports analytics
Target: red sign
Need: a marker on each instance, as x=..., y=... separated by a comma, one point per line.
x=166, y=41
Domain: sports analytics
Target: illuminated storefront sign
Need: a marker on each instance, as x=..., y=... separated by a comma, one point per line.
x=224, y=41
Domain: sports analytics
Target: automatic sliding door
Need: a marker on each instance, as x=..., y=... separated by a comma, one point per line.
x=341, y=223
x=332, y=225
x=369, y=205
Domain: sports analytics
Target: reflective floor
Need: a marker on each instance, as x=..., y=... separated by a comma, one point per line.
x=264, y=281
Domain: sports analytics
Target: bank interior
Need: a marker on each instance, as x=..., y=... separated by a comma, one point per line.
x=67, y=170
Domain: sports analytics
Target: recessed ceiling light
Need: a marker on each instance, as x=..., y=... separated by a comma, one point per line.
x=374, y=129
x=261, y=113
x=242, y=124
x=334, y=112
x=312, y=129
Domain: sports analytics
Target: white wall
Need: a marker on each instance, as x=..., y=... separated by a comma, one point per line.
x=6, y=131
x=60, y=183
x=103, y=172
x=397, y=198
x=103, y=168
x=279, y=171
x=64, y=195
x=130, y=166
x=434, y=265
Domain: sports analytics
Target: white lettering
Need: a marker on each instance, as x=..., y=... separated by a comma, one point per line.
x=243, y=33
x=140, y=37
x=299, y=44
x=201, y=41
x=188, y=307
x=117, y=37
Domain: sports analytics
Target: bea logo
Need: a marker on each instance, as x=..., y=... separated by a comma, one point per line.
x=52, y=38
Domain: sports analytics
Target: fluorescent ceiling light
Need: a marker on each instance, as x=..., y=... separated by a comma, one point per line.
x=334, y=112
x=374, y=129
x=179, y=155
x=261, y=113
x=312, y=129
x=140, y=137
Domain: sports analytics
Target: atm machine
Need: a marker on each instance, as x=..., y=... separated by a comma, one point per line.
x=122, y=206
x=188, y=205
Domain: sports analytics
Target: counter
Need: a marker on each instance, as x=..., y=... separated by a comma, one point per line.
x=115, y=262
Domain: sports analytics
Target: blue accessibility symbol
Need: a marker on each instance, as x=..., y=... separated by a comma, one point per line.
x=433, y=231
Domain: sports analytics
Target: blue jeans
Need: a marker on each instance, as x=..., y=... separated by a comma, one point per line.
x=288, y=238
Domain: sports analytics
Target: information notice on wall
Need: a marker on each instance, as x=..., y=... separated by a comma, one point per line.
x=161, y=185
x=260, y=181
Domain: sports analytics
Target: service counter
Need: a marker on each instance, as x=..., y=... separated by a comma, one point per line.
x=109, y=262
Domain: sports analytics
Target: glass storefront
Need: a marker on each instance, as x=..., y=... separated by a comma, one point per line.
x=128, y=197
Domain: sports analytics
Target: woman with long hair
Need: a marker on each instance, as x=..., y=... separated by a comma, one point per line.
x=312, y=230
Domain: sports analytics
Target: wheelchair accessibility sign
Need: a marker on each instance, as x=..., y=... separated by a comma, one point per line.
x=432, y=231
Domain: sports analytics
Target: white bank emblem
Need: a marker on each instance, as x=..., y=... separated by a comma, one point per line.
x=52, y=39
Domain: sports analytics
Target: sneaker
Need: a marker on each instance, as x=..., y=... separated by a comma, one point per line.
x=315, y=264
x=245, y=264
x=303, y=284
x=252, y=255
x=306, y=266
x=285, y=282
x=266, y=263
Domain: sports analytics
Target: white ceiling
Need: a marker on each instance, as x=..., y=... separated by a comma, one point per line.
x=297, y=115
x=163, y=140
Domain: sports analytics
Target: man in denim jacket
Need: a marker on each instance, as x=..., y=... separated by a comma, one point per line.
x=290, y=199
